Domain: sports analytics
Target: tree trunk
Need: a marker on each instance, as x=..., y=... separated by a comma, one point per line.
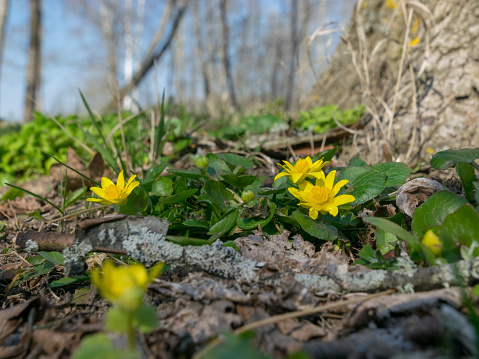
x=417, y=74
x=34, y=60
x=294, y=49
x=3, y=22
x=200, y=51
x=226, y=60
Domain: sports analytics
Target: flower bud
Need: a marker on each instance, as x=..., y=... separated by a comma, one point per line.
x=433, y=242
x=247, y=196
x=202, y=162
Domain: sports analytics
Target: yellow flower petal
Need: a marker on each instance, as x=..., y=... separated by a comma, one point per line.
x=338, y=186
x=303, y=168
x=120, y=182
x=106, y=182
x=343, y=199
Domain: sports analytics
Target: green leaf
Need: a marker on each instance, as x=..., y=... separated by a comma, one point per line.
x=44, y=268
x=449, y=158
x=239, y=181
x=196, y=223
x=144, y=319
x=162, y=187
x=136, y=204
x=357, y=162
x=385, y=241
x=12, y=193
x=393, y=228
x=224, y=224
x=466, y=173
x=155, y=172
x=219, y=194
x=433, y=212
x=258, y=212
x=35, y=260
x=193, y=173
x=395, y=172
x=216, y=164
x=462, y=227
x=368, y=254
x=235, y=160
x=74, y=197
x=65, y=281
x=325, y=155
x=179, y=197
x=98, y=346
x=54, y=257
x=188, y=241
x=364, y=183
x=315, y=228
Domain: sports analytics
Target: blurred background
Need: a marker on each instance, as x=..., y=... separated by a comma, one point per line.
x=205, y=54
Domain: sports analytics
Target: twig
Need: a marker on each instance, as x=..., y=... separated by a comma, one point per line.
x=278, y=318
x=398, y=81
x=76, y=214
x=120, y=120
x=88, y=149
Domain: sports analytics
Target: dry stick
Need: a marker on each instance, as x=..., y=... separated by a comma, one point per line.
x=414, y=109
x=398, y=81
x=311, y=141
x=112, y=132
x=278, y=318
x=88, y=149
x=129, y=165
x=76, y=214
x=158, y=115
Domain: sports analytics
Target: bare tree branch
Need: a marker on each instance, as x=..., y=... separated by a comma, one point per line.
x=150, y=60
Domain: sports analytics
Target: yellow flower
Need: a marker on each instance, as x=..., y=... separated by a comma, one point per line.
x=391, y=4
x=321, y=197
x=111, y=193
x=302, y=169
x=124, y=286
x=414, y=41
x=433, y=242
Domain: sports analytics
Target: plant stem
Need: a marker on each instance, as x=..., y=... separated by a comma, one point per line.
x=130, y=332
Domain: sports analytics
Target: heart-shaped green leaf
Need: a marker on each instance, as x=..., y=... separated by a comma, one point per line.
x=395, y=173
x=449, y=158
x=460, y=227
x=434, y=211
x=364, y=183
x=316, y=229
x=162, y=187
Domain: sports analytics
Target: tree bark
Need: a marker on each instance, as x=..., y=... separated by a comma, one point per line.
x=294, y=49
x=4, y=6
x=226, y=59
x=34, y=60
x=200, y=50
x=419, y=96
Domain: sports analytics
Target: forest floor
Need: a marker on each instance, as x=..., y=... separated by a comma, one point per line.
x=287, y=310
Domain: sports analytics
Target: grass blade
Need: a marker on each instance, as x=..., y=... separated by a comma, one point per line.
x=74, y=170
x=36, y=196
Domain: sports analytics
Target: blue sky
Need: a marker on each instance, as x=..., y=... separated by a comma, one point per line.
x=73, y=57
